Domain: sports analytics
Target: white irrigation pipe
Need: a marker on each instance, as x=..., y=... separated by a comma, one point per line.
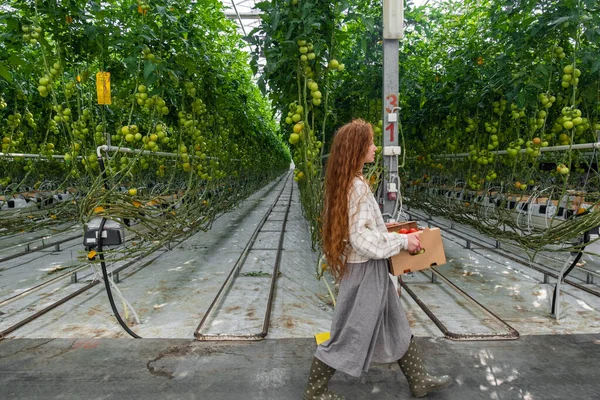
x=582, y=146
x=100, y=149
x=118, y=149
x=25, y=155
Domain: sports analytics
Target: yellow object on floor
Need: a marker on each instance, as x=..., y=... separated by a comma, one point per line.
x=322, y=337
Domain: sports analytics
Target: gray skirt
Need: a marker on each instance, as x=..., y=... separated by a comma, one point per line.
x=369, y=323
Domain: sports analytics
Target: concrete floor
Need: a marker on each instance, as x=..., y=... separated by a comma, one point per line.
x=540, y=367
x=78, y=351
x=171, y=294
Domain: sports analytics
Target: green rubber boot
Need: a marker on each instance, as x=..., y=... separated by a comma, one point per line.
x=419, y=381
x=316, y=388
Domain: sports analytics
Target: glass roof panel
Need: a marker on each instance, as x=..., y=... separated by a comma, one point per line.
x=242, y=12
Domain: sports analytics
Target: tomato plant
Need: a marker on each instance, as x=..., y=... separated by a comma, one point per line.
x=176, y=79
x=179, y=84
x=485, y=88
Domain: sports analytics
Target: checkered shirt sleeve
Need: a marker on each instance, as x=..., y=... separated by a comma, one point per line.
x=369, y=238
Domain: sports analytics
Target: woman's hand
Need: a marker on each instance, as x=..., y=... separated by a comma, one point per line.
x=414, y=244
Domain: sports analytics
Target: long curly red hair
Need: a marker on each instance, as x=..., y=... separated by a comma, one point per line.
x=348, y=151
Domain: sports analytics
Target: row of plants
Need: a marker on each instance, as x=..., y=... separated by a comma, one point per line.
x=486, y=87
x=305, y=72
x=179, y=84
x=517, y=78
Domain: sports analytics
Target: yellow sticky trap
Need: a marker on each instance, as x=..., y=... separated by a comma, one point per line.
x=98, y=209
x=103, y=87
x=322, y=337
x=91, y=254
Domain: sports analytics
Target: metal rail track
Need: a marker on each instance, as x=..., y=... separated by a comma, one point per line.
x=511, y=334
x=35, y=288
x=233, y=274
x=499, y=251
x=55, y=230
x=63, y=300
x=44, y=246
x=84, y=289
x=71, y=273
x=452, y=227
x=88, y=286
x=30, y=260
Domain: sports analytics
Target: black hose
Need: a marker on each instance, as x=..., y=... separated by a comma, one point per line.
x=586, y=239
x=107, y=283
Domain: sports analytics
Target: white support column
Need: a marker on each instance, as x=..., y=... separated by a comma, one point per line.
x=393, y=24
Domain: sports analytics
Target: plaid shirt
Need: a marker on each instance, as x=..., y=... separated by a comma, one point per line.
x=369, y=238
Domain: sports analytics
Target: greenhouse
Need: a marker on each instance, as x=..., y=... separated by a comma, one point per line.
x=286, y=199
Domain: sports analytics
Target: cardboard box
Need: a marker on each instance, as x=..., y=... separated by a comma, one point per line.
x=396, y=226
x=431, y=241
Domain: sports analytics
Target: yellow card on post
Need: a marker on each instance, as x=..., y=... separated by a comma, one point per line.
x=322, y=337
x=103, y=87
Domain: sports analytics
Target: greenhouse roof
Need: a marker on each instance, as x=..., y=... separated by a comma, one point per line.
x=243, y=13
x=247, y=18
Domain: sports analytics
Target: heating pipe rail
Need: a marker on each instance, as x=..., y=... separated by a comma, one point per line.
x=38, y=248
x=498, y=251
x=84, y=289
x=512, y=333
x=234, y=273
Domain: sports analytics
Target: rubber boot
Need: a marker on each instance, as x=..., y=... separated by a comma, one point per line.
x=318, y=380
x=419, y=381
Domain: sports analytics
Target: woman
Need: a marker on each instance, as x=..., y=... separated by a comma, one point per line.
x=369, y=323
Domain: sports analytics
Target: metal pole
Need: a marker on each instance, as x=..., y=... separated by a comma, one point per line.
x=393, y=21
x=239, y=18
x=239, y=15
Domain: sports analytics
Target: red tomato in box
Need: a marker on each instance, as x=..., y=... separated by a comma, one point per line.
x=403, y=231
x=412, y=230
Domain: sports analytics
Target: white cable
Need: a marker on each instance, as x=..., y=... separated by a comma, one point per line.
x=391, y=167
x=490, y=204
x=114, y=285
x=98, y=275
x=395, y=178
x=558, y=288
x=548, y=203
x=530, y=212
x=520, y=211
x=398, y=204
